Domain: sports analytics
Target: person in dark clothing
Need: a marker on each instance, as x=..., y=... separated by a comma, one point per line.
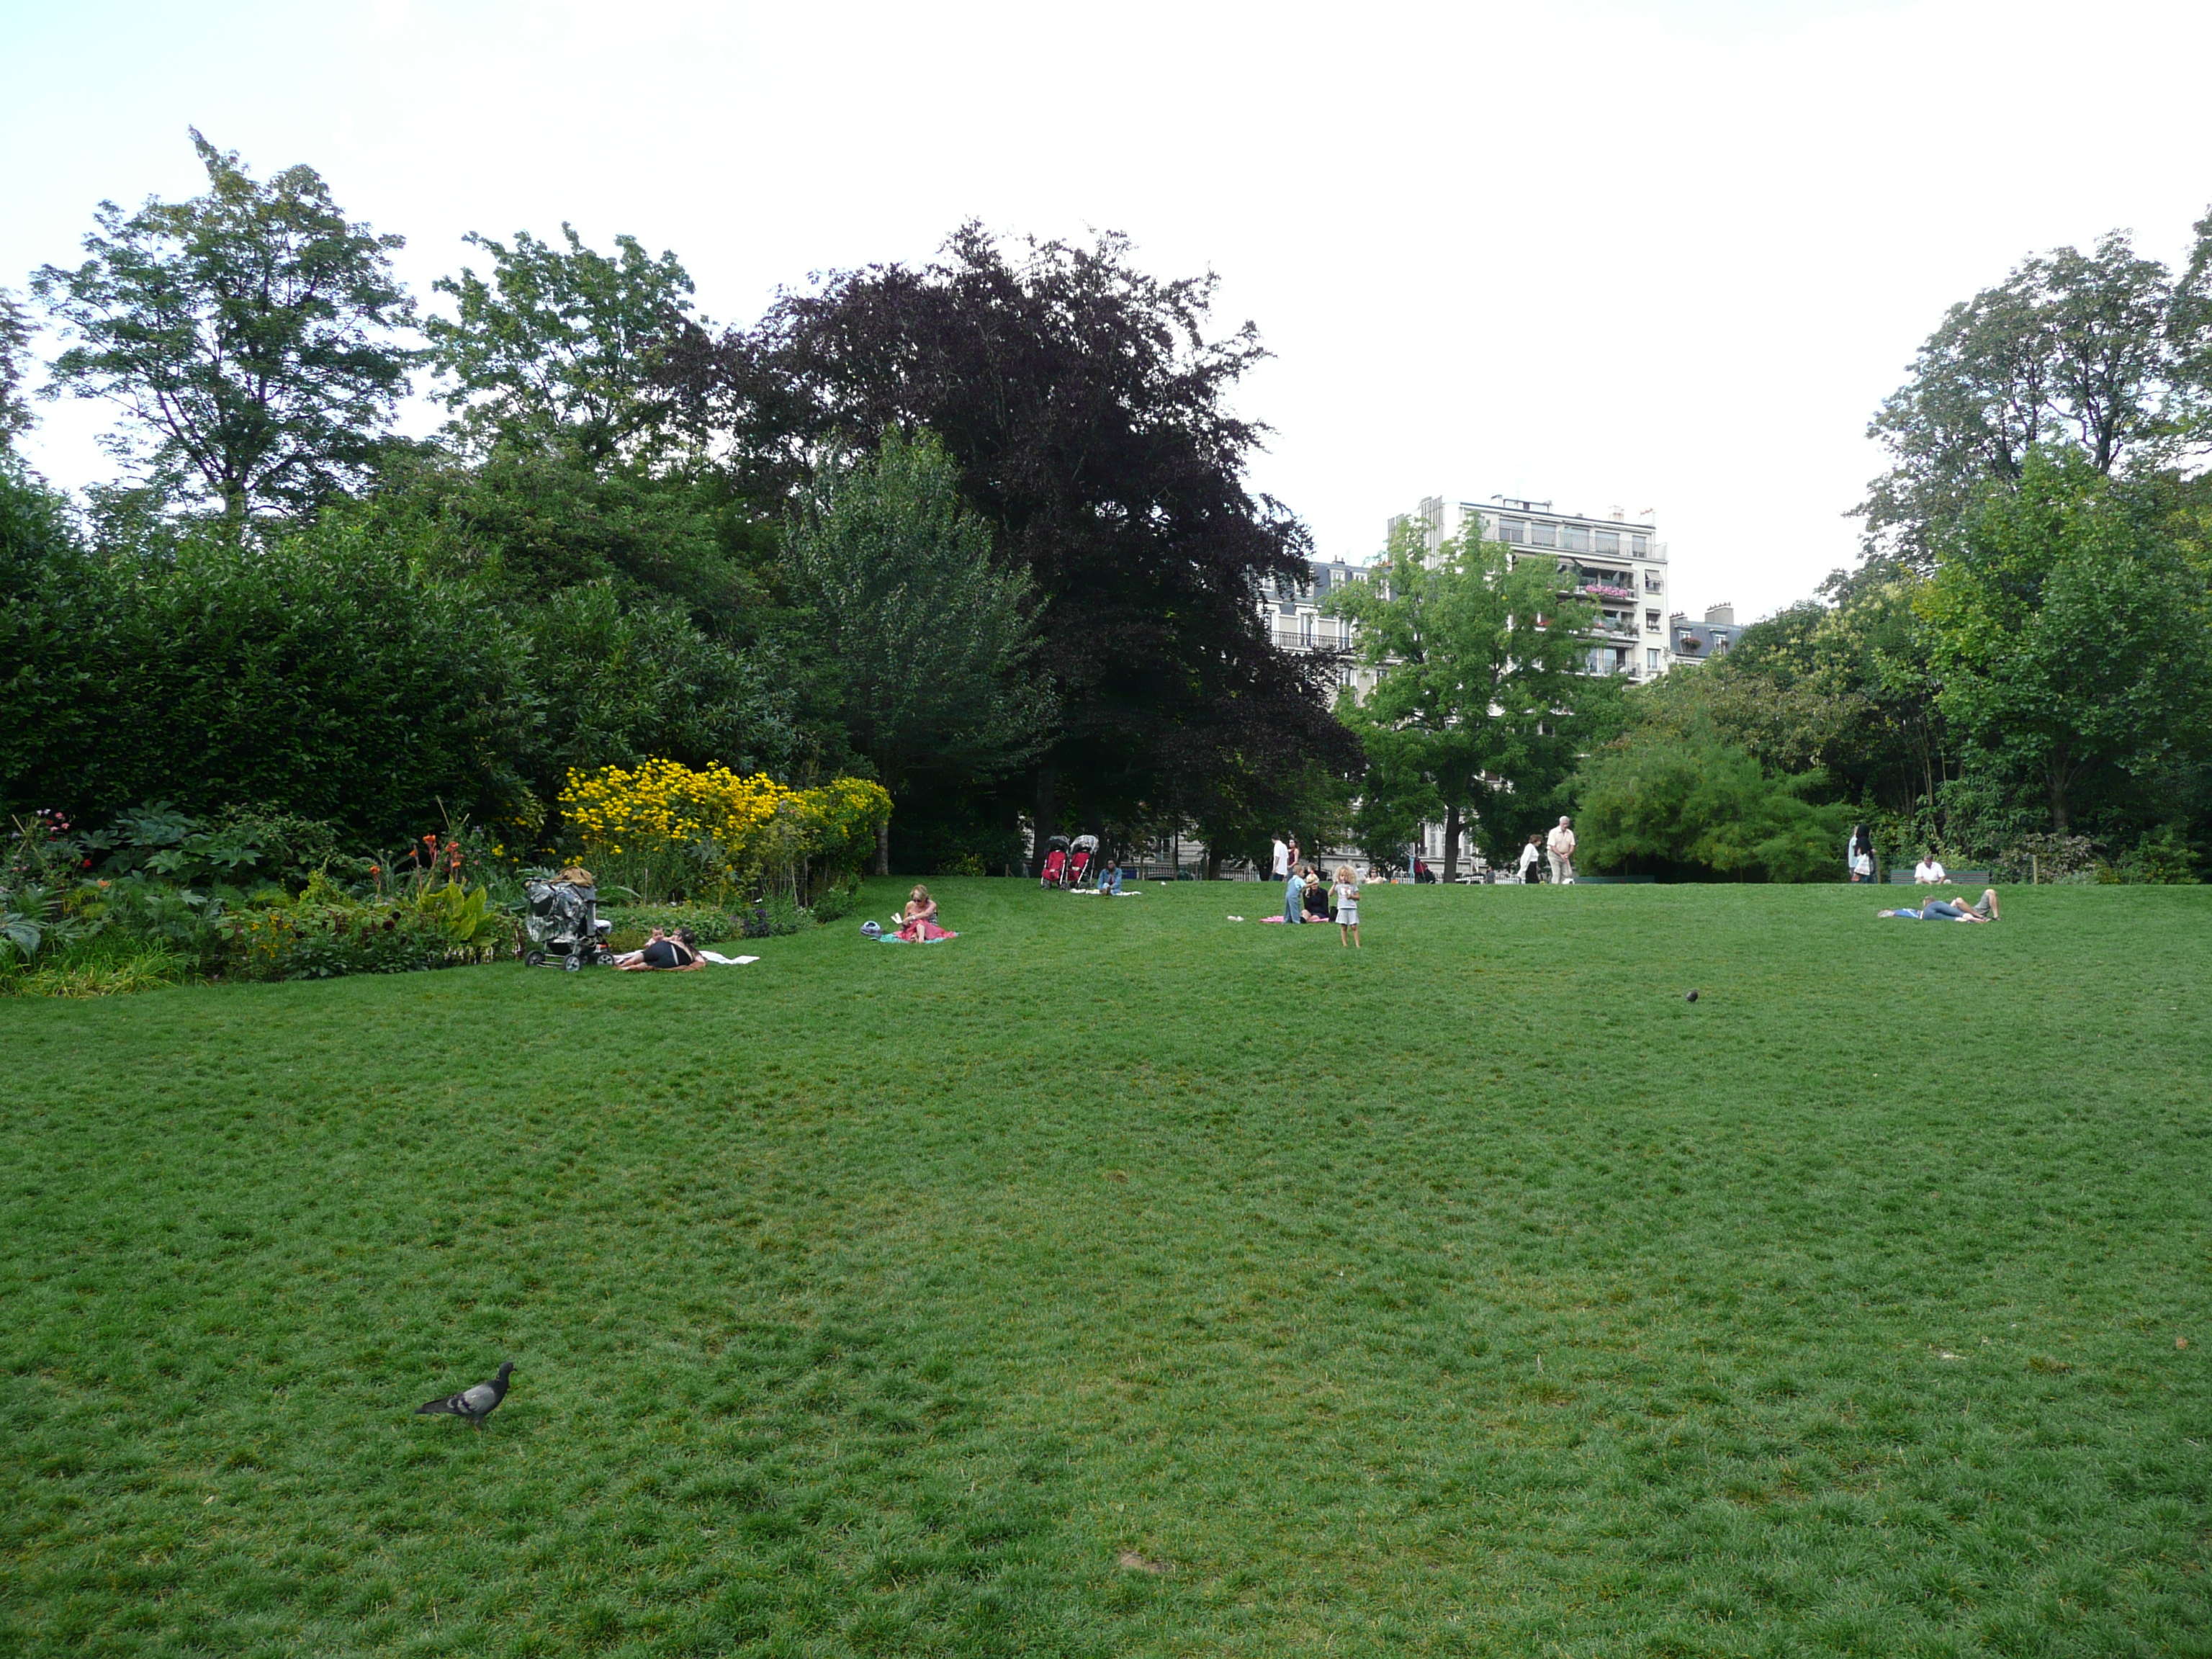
x=1315, y=901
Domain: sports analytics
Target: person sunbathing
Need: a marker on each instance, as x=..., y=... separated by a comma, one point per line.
x=1941, y=909
x=663, y=952
x=918, y=922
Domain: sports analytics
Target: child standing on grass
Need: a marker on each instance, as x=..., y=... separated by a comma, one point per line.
x=1347, y=907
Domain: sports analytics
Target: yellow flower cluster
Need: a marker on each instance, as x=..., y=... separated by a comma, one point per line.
x=663, y=803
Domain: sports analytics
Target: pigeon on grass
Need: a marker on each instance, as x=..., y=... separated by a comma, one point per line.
x=475, y=1404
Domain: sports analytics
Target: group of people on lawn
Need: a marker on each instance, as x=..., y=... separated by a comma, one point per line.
x=1307, y=897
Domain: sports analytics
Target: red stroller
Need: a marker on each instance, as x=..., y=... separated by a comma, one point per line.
x=1055, y=864
x=1083, y=854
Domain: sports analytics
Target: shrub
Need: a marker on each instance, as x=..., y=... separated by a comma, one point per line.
x=2162, y=858
x=1693, y=801
x=662, y=827
x=325, y=673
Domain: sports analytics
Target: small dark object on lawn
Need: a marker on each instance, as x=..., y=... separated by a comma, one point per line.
x=1692, y=997
x=475, y=1404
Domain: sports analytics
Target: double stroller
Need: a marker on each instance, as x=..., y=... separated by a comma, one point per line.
x=1069, y=862
x=564, y=925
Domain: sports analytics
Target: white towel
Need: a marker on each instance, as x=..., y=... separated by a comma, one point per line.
x=727, y=962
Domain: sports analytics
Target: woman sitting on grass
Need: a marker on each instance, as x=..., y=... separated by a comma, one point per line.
x=1314, y=902
x=1938, y=910
x=918, y=922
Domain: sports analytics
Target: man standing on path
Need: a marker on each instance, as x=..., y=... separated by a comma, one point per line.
x=1560, y=844
x=1282, y=859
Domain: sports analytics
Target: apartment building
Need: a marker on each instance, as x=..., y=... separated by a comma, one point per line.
x=1616, y=561
x=1715, y=636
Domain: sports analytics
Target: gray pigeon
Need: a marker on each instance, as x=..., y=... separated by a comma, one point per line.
x=475, y=1404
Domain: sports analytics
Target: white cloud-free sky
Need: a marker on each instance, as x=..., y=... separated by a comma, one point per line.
x=1663, y=253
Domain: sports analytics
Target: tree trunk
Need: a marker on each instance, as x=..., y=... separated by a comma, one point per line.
x=884, y=848
x=1213, y=862
x=1047, y=820
x=1451, y=843
x=2059, y=823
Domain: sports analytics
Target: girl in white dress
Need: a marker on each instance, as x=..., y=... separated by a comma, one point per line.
x=1346, y=894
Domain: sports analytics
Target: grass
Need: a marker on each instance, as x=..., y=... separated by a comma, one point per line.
x=1117, y=1279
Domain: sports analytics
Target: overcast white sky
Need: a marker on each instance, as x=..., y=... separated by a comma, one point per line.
x=1663, y=253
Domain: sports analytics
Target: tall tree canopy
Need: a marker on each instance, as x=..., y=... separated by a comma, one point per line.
x=247, y=334
x=1085, y=406
x=14, y=353
x=563, y=351
x=2102, y=353
x=1479, y=707
x=2072, y=631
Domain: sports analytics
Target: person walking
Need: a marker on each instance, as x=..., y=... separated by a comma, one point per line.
x=1860, y=856
x=1560, y=844
x=1282, y=865
x=1532, y=855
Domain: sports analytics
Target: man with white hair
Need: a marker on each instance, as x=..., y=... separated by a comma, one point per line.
x=1560, y=844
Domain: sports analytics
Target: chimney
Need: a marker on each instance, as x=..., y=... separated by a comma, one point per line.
x=1720, y=616
x=1618, y=517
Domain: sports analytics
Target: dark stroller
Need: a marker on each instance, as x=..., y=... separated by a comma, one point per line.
x=564, y=924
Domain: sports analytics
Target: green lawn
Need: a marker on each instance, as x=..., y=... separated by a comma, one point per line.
x=1117, y=1279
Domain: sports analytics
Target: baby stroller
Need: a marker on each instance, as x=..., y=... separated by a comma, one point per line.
x=564, y=924
x=1083, y=853
x=1055, y=864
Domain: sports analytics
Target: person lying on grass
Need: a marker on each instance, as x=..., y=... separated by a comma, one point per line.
x=1941, y=909
x=918, y=922
x=661, y=951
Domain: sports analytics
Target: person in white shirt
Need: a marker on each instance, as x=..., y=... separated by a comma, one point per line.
x=1560, y=844
x=1282, y=860
x=1928, y=872
x=1531, y=856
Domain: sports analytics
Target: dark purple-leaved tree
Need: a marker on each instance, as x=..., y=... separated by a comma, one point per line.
x=1084, y=404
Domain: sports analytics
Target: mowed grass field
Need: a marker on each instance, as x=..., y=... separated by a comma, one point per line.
x=1120, y=1280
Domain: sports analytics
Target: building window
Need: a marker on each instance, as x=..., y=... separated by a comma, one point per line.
x=1543, y=535
x=1512, y=530
x=1577, y=540
x=1651, y=621
x=1640, y=546
x=1651, y=659
x=1608, y=541
x=1306, y=630
x=1652, y=581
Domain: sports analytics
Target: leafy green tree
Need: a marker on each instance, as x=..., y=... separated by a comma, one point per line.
x=529, y=524
x=933, y=639
x=563, y=352
x=1678, y=802
x=2071, y=630
x=2099, y=353
x=1480, y=706
x=248, y=335
x=15, y=350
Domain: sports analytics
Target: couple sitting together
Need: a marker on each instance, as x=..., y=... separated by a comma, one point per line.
x=1941, y=909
